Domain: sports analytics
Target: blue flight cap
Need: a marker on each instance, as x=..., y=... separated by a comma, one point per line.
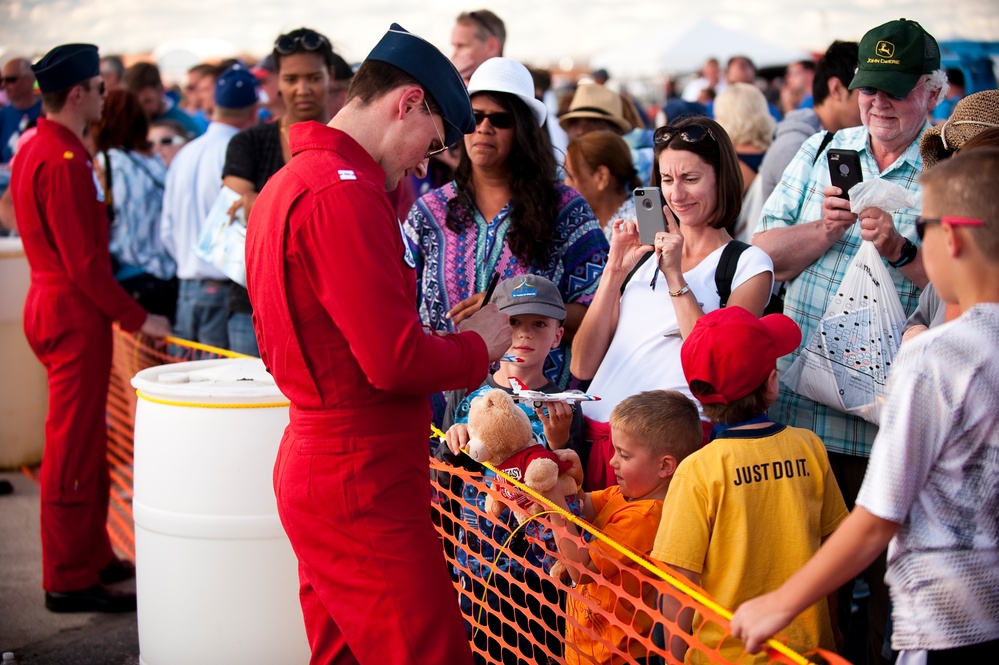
x=236, y=88
x=434, y=72
x=67, y=65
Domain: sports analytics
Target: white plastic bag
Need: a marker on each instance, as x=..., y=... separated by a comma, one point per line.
x=223, y=243
x=846, y=362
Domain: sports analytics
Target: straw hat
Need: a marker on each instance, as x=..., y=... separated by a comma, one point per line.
x=509, y=76
x=593, y=100
x=970, y=117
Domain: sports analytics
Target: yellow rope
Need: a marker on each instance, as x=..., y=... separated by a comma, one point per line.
x=681, y=585
x=202, y=405
x=197, y=346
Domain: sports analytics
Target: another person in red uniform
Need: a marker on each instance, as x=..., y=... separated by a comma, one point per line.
x=333, y=289
x=71, y=304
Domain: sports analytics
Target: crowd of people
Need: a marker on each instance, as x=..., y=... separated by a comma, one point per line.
x=383, y=204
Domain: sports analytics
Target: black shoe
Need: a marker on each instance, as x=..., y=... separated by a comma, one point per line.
x=118, y=570
x=97, y=598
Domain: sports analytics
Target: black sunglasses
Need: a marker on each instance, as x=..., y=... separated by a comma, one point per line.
x=499, y=119
x=171, y=140
x=9, y=80
x=921, y=223
x=310, y=41
x=689, y=134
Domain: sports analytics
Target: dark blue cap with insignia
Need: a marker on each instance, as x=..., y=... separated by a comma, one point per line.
x=67, y=65
x=236, y=88
x=434, y=72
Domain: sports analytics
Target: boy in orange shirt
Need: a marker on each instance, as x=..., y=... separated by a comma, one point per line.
x=652, y=433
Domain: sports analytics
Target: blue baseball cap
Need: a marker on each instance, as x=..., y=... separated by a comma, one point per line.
x=236, y=88
x=434, y=72
x=67, y=65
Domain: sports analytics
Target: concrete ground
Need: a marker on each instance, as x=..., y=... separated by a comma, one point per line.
x=35, y=635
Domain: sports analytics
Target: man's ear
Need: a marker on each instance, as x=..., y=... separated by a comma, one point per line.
x=837, y=90
x=410, y=99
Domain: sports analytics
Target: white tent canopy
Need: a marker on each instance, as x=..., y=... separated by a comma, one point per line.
x=685, y=47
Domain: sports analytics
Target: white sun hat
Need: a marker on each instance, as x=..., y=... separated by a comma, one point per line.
x=511, y=77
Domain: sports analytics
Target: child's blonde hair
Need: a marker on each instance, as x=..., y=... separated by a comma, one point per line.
x=665, y=421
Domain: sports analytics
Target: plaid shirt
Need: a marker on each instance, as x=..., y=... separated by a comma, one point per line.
x=798, y=199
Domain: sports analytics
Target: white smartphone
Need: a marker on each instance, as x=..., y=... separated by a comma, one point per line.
x=649, y=204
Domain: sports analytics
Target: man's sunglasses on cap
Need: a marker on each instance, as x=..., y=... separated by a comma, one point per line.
x=309, y=41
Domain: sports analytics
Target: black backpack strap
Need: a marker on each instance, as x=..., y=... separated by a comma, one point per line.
x=638, y=265
x=826, y=140
x=725, y=272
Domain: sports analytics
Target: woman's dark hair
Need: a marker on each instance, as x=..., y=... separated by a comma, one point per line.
x=605, y=148
x=301, y=41
x=718, y=151
x=534, y=197
x=123, y=124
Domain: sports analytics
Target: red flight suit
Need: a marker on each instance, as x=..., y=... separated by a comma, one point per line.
x=72, y=301
x=334, y=308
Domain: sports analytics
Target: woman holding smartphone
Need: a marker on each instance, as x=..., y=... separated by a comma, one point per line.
x=630, y=340
x=504, y=213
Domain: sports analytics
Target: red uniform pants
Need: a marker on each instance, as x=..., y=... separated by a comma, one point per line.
x=73, y=340
x=374, y=582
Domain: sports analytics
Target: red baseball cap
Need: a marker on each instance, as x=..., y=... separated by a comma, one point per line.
x=735, y=352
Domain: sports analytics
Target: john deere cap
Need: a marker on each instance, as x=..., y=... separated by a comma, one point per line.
x=893, y=56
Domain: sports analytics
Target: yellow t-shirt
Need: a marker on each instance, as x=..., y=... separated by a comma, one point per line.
x=747, y=511
x=630, y=523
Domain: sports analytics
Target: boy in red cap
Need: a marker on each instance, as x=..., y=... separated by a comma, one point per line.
x=745, y=511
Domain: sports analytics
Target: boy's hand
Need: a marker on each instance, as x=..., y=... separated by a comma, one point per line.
x=570, y=455
x=457, y=438
x=556, y=422
x=756, y=620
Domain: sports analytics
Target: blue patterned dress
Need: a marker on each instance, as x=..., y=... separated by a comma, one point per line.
x=454, y=266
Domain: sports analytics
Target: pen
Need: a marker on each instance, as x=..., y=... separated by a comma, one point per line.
x=489, y=289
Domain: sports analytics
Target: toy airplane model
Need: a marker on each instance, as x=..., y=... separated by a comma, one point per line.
x=522, y=393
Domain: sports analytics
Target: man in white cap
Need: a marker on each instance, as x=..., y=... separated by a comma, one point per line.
x=332, y=286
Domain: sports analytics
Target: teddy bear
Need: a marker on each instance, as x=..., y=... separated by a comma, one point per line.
x=500, y=433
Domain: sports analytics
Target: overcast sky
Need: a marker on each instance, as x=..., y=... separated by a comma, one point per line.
x=541, y=32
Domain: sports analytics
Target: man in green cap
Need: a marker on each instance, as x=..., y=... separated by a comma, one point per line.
x=811, y=234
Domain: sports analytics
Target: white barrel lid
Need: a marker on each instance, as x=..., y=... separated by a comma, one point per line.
x=211, y=381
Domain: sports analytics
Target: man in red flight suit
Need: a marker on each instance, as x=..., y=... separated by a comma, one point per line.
x=333, y=288
x=71, y=304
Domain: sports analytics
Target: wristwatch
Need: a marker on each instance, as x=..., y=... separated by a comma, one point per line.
x=908, y=254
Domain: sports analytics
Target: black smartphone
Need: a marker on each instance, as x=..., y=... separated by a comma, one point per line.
x=649, y=204
x=844, y=169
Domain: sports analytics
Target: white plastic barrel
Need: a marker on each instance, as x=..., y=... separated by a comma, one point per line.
x=23, y=386
x=217, y=580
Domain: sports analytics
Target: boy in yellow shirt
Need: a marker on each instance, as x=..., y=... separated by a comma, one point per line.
x=744, y=512
x=652, y=433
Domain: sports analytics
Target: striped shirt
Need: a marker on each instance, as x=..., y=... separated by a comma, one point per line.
x=798, y=199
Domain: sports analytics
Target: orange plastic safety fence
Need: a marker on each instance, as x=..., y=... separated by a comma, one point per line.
x=517, y=612
x=132, y=354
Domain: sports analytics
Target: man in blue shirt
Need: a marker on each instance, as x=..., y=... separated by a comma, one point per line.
x=192, y=184
x=25, y=106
